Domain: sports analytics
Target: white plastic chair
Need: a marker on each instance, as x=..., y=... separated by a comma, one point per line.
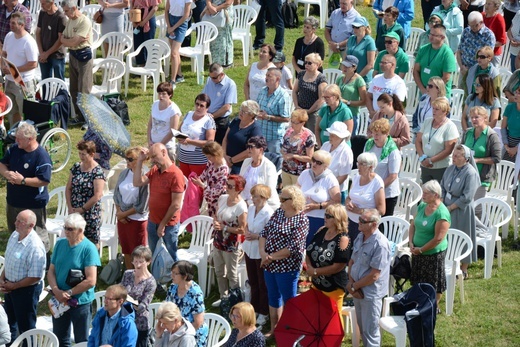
x=152, y=309
x=2, y=264
x=108, y=231
x=90, y=11
x=412, y=97
x=408, y=77
x=332, y=75
x=55, y=225
x=395, y=325
x=34, y=7
x=113, y=71
x=244, y=17
x=502, y=188
x=99, y=298
x=128, y=27
x=495, y=214
x=350, y=319
x=81, y=344
x=409, y=197
x=119, y=44
x=506, y=56
x=205, y=32
x=410, y=167
x=505, y=75
x=459, y=247
x=157, y=51
x=37, y=338
x=200, y=247
x=395, y=229
x=363, y=120
x=457, y=99
x=161, y=28
x=50, y=87
x=324, y=9
x=413, y=41
x=455, y=78
x=217, y=326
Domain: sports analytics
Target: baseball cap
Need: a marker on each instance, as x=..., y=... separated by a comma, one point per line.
x=350, y=61
x=279, y=57
x=393, y=35
x=360, y=22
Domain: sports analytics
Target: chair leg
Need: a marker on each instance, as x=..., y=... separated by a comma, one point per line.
x=202, y=268
x=515, y=223
x=505, y=231
x=251, y=50
x=355, y=328
x=245, y=48
x=126, y=84
x=323, y=13
x=307, y=10
x=461, y=289
x=488, y=260
x=450, y=292
x=499, y=252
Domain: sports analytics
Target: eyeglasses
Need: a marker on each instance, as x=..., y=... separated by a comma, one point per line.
x=215, y=78
x=234, y=316
x=362, y=221
x=477, y=85
x=353, y=27
x=436, y=35
x=317, y=162
x=431, y=86
x=198, y=104
x=480, y=56
x=327, y=96
x=110, y=299
x=385, y=62
x=308, y=63
x=230, y=186
x=284, y=199
x=129, y=159
x=69, y=229
x=294, y=122
x=389, y=42
x=328, y=216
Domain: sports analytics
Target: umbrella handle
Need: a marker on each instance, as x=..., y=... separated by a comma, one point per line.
x=296, y=343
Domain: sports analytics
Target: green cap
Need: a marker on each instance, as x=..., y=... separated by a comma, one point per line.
x=393, y=35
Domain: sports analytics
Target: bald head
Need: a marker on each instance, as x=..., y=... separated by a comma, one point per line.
x=159, y=156
x=25, y=222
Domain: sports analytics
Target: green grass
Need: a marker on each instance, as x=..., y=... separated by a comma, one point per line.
x=489, y=317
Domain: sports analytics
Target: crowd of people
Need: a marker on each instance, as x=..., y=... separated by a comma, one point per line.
x=317, y=216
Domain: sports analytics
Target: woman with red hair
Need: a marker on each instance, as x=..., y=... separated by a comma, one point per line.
x=228, y=232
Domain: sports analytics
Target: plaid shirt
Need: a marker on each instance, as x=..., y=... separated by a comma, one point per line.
x=276, y=104
x=4, y=22
x=25, y=258
x=471, y=42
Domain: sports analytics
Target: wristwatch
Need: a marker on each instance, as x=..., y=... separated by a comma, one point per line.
x=23, y=182
x=69, y=292
x=352, y=287
x=337, y=46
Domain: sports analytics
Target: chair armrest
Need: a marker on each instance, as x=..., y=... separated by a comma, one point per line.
x=207, y=248
x=386, y=305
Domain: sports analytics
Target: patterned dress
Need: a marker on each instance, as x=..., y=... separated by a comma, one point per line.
x=142, y=292
x=222, y=47
x=299, y=147
x=216, y=179
x=82, y=191
x=255, y=339
x=191, y=303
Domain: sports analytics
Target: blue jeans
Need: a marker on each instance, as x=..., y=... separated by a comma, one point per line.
x=80, y=318
x=281, y=287
x=275, y=10
x=513, y=58
x=54, y=67
x=274, y=146
x=170, y=238
x=140, y=59
x=21, y=305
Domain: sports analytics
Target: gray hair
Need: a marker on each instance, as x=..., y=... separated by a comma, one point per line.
x=169, y=312
x=76, y=221
x=433, y=186
x=275, y=71
x=26, y=130
x=251, y=107
x=375, y=216
x=369, y=159
x=216, y=67
x=69, y=3
x=312, y=21
x=20, y=16
x=324, y=156
x=475, y=16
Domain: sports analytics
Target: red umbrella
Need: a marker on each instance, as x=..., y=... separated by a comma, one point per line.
x=313, y=315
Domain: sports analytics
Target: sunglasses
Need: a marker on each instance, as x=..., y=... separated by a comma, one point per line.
x=198, y=104
x=129, y=159
x=317, y=162
x=482, y=56
x=328, y=216
x=69, y=229
x=353, y=27
x=284, y=199
x=251, y=146
x=293, y=122
x=230, y=186
x=308, y=63
x=431, y=86
x=215, y=78
x=388, y=42
x=362, y=221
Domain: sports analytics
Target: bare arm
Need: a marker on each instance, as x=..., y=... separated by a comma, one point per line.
x=295, y=65
x=380, y=201
x=295, y=95
x=371, y=58
x=221, y=111
x=140, y=179
x=417, y=78
x=246, y=84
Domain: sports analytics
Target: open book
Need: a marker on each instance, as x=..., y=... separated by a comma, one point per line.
x=178, y=135
x=132, y=300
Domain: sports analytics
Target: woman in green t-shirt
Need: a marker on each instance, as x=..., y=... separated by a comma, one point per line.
x=428, y=242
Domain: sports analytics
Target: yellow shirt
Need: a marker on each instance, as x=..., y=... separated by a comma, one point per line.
x=80, y=26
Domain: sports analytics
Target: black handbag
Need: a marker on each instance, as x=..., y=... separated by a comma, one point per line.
x=82, y=55
x=74, y=277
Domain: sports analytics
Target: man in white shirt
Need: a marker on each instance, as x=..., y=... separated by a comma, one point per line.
x=385, y=83
x=21, y=49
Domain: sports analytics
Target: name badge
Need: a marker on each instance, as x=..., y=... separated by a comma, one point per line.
x=299, y=62
x=427, y=70
x=428, y=146
x=448, y=196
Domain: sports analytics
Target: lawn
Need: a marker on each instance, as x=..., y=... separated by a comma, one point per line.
x=491, y=314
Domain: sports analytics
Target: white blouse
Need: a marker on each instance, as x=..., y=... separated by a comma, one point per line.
x=255, y=224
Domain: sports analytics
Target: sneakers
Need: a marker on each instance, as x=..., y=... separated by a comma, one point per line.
x=216, y=303
x=84, y=127
x=179, y=79
x=174, y=85
x=262, y=319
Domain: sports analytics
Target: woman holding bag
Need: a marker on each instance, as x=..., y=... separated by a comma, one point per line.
x=222, y=47
x=145, y=29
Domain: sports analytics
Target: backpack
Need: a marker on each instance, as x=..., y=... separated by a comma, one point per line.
x=290, y=14
x=120, y=108
x=113, y=271
x=233, y=297
x=401, y=267
x=162, y=263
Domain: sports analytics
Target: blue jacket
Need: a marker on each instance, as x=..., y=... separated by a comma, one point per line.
x=406, y=14
x=125, y=332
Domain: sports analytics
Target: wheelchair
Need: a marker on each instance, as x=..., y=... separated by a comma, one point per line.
x=54, y=139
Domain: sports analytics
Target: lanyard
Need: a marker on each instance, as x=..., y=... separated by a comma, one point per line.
x=431, y=59
x=455, y=177
x=440, y=125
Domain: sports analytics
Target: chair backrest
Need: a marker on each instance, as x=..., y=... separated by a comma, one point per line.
x=410, y=162
x=50, y=87
x=99, y=297
x=218, y=326
x=37, y=338
x=455, y=78
x=157, y=50
x=205, y=32
x=412, y=97
x=408, y=77
x=506, y=57
x=118, y=44
x=61, y=209
x=363, y=120
x=81, y=344
x=503, y=184
x=505, y=74
x=244, y=16
x=201, y=230
x=459, y=245
x=413, y=40
x=90, y=10
x=152, y=309
x=395, y=229
x=332, y=75
x=161, y=25
x=95, y=35
x=108, y=213
x=35, y=7
x=410, y=195
x=113, y=71
x=457, y=97
x=128, y=27
x=2, y=264
x=495, y=212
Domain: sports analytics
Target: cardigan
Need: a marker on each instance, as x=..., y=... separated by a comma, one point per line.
x=400, y=129
x=266, y=175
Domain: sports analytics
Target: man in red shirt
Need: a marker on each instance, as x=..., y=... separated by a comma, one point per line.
x=166, y=189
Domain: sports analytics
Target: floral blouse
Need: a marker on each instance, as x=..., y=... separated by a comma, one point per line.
x=228, y=216
x=282, y=232
x=298, y=147
x=190, y=304
x=216, y=179
x=142, y=292
x=255, y=339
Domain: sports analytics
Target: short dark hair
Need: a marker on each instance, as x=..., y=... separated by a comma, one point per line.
x=272, y=50
x=185, y=269
x=258, y=142
x=87, y=146
x=394, y=11
x=240, y=182
x=165, y=87
x=205, y=98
